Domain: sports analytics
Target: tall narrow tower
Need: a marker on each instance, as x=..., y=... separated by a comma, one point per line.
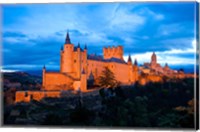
x=43, y=77
x=85, y=59
x=129, y=60
x=135, y=71
x=153, y=60
x=67, y=56
x=79, y=61
x=130, y=76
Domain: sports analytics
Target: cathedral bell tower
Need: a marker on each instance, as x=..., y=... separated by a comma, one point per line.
x=153, y=60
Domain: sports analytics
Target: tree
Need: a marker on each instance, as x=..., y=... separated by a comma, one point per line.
x=107, y=78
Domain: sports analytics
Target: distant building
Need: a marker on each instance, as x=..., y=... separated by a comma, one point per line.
x=155, y=68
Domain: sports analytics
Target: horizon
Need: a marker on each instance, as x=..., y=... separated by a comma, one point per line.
x=38, y=71
x=37, y=41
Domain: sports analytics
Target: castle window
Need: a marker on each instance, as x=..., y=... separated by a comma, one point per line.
x=74, y=61
x=26, y=94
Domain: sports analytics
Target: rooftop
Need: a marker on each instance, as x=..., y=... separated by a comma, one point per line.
x=100, y=58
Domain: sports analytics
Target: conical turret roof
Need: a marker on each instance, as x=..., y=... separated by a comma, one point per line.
x=129, y=58
x=67, y=40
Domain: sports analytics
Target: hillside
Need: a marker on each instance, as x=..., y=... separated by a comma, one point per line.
x=158, y=105
x=16, y=81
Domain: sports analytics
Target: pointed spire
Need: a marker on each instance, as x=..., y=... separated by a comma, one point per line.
x=91, y=75
x=85, y=47
x=67, y=40
x=166, y=65
x=78, y=45
x=135, y=63
x=83, y=71
x=129, y=58
x=44, y=67
x=153, y=58
x=153, y=54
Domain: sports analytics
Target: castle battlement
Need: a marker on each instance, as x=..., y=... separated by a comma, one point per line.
x=113, y=52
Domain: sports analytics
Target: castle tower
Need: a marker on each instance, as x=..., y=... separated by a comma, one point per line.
x=79, y=61
x=153, y=60
x=130, y=69
x=113, y=52
x=43, y=76
x=85, y=59
x=135, y=71
x=135, y=62
x=67, y=40
x=67, y=56
x=129, y=60
x=61, y=58
x=83, y=81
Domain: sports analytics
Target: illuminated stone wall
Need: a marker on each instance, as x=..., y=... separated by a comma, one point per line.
x=116, y=52
x=57, y=81
x=27, y=96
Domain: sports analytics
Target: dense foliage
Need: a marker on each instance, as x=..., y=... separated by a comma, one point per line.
x=107, y=78
x=169, y=104
x=163, y=105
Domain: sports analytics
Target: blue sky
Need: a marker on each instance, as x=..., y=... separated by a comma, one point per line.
x=32, y=34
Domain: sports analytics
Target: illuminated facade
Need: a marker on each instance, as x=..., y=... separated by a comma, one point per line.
x=77, y=67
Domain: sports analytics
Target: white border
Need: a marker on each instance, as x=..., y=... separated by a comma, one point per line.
x=74, y=1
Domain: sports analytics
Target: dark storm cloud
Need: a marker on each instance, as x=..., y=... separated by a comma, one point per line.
x=42, y=51
x=13, y=34
x=33, y=35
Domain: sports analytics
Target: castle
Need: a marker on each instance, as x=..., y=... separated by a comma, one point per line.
x=77, y=68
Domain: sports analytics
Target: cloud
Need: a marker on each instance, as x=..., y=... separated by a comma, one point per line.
x=125, y=20
x=42, y=51
x=151, y=14
x=33, y=34
x=177, y=43
x=28, y=67
x=169, y=29
x=4, y=70
x=172, y=57
x=175, y=30
x=14, y=34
